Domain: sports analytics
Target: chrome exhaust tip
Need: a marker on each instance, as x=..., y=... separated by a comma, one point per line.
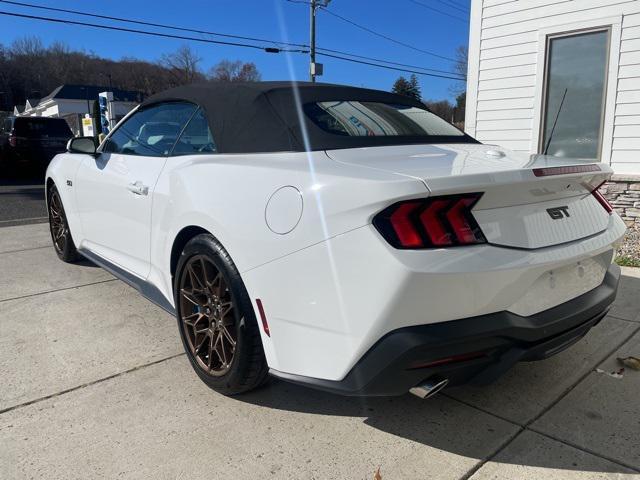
x=430, y=387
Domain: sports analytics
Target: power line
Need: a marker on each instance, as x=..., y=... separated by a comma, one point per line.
x=389, y=62
x=151, y=24
x=366, y=29
x=388, y=67
x=429, y=7
x=455, y=6
x=413, y=69
x=188, y=29
x=458, y=2
x=154, y=34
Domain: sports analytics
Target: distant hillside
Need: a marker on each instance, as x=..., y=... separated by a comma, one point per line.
x=28, y=69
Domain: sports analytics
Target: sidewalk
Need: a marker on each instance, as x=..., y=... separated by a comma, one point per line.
x=95, y=385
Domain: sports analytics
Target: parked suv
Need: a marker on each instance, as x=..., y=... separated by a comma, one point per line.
x=31, y=142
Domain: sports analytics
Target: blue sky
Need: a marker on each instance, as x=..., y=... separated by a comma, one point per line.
x=282, y=20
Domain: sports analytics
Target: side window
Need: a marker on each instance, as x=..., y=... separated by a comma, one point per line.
x=151, y=131
x=196, y=137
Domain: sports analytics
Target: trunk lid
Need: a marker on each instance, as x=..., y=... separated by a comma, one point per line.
x=521, y=206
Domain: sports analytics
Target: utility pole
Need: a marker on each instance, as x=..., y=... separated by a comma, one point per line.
x=312, y=41
x=315, y=69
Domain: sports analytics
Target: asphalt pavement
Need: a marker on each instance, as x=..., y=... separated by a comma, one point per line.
x=22, y=201
x=95, y=384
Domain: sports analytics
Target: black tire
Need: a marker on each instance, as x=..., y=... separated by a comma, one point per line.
x=247, y=368
x=59, y=228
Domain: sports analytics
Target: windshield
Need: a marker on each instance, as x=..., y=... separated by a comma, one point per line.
x=376, y=119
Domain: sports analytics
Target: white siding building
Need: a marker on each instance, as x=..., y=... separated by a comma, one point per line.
x=67, y=99
x=525, y=56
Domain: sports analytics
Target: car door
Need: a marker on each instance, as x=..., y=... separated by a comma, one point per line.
x=114, y=191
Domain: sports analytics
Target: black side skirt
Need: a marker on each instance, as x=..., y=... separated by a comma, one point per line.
x=146, y=289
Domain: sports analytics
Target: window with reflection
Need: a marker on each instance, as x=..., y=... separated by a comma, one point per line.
x=376, y=119
x=576, y=70
x=151, y=131
x=196, y=137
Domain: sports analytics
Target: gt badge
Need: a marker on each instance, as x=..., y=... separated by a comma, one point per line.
x=558, y=213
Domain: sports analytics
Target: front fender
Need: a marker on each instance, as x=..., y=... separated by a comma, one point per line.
x=62, y=172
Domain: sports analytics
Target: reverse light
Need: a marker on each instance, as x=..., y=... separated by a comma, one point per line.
x=13, y=141
x=433, y=222
x=602, y=199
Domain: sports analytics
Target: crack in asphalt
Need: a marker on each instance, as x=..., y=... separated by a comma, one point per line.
x=88, y=384
x=58, y=290
x=527, y=426
x=23, y=221
x=24, y=249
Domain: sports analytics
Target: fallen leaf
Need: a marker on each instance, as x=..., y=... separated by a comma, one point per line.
x=631, y=362
x=617, y=374
x=377, y=476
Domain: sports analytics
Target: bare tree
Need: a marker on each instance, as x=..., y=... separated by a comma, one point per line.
x=442, y=108
x=28, y=46
x=228, y=71
x=183, y=65
x=30, y=69
x=460, y=68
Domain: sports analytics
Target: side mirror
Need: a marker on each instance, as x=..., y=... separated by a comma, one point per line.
x=86, y=145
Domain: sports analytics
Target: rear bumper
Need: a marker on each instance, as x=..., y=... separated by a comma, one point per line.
x=496, y=341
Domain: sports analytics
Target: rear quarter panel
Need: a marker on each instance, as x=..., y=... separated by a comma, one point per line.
x=227, y=195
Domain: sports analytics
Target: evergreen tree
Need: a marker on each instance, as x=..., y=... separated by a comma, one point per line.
x=414, y=90
x=409, y=88
x=461, y=103
x=400, y=86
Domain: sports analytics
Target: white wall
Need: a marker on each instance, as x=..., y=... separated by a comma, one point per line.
x=66, y=106
x=506, y=70
x=60, y=107
x=49, y=111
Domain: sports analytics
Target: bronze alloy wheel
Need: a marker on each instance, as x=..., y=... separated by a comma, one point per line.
x=58, y=222
x=208, y=316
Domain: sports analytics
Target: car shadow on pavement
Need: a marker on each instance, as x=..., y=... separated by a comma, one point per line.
x=439, y=422
x=33, y=192
x=87, y=263
x=443, y=422
x=18, y=179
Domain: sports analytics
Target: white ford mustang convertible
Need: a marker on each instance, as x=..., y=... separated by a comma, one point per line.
x=341, y=238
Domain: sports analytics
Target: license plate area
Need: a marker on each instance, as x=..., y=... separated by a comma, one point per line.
x=559, y=285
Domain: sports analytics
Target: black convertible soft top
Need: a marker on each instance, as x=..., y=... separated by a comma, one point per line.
x=250, y=117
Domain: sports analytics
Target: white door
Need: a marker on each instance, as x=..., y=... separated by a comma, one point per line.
x=114, y=191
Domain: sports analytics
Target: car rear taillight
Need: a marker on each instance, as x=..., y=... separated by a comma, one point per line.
x=601, y=199
x=13, y=141
x=431, y=222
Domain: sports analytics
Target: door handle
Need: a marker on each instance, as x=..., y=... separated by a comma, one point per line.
x=138, y=188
